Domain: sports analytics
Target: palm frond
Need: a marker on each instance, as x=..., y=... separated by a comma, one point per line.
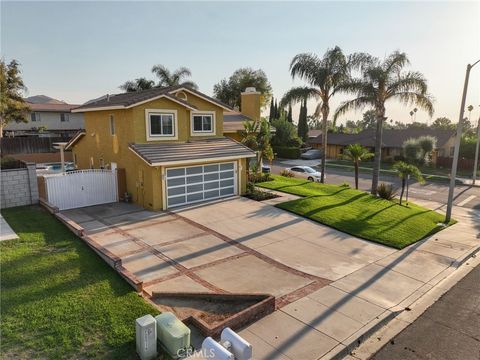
x=423, y=101
x=395, y=62
x=190, y=84
x=163, y=74
x=298, y=94
x=181, y=73
x=305, y=66
x=410, y=81
x=358, y=103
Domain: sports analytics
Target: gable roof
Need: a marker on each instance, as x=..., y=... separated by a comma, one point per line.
x=131, y=99
x=191, y=151
x=43, y=99
x=391, y=137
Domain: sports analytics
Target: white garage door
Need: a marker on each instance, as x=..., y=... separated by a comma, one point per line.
x=187, y=185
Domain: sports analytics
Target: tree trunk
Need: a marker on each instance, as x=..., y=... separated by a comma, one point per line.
x=378, y=151
x=403, y=189
x=1, y=129
x=356, y=175
x=325, y=111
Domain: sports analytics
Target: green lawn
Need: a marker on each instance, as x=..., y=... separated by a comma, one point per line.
x=357, y=212
x=58, y=298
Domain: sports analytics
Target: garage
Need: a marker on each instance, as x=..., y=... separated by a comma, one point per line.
x=192, y=184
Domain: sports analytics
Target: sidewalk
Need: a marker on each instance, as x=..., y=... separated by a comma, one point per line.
x=6, y=232
x=331, y=322
x=455, y=319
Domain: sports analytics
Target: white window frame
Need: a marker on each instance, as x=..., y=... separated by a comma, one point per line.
x=36, y=115
x=157, y=137
x=202, y=132
x=111, y=120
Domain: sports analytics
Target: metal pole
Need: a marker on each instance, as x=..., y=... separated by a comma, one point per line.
x=475, y=165
x=456, y=151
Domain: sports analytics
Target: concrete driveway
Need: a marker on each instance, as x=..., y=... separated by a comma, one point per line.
x=330, y=287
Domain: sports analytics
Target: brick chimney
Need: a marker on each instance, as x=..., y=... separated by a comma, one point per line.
x=250, y=103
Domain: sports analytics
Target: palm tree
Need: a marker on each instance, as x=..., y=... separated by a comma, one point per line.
x=137, y=85
x=382, y=81
x=356, y=153
x=168, y=78
x=324, y=76
x=249, y=137
x=405, y=171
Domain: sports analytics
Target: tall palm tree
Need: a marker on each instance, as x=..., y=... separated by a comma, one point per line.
x=324, y=76
x=137, y=85
x=177, y=77
x=382, y=81
x=356, y=153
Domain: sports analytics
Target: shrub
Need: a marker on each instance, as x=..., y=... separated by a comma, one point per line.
x=11, y=163
x=287, y=152
x=259, y=177
x=345, y=185
x=386, y=192
x=398, y=158
x=287, y=173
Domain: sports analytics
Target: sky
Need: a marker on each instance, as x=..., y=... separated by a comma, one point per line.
x=76, y=51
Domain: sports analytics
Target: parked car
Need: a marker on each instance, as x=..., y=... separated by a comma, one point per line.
x=266, y=169
x=311, y=154
x=306, y=172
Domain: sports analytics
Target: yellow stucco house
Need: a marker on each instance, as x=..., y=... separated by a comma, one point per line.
x=171, y=142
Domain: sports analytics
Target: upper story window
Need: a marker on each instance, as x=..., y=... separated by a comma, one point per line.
x=112, y=124
x=203, y=123
x=64, y=117
x=35, y=116
x=161, y=124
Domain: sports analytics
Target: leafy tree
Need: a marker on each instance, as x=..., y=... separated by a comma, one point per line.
x=385, y=80
x=303, y=122
x=257, y=136
x=369, y=120
x=411, y=150
x=277, y=112
x=12, y=105
x=356, y=153
x=443, y=123
x=417, y=125
x=229, y=91
x=405, y=171
x=324, y=75
x=427, y=144
x=285, y=134
x=249, y=137
x=177, y=77
x=137, y=85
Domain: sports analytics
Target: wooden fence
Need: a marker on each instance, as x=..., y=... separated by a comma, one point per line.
x=463, y=164
x=29, y=145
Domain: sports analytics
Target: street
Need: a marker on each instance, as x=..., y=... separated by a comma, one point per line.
x=465, y=196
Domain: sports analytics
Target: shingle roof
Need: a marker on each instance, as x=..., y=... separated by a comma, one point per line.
x=391, y=137
x=191, y=152
x=51, y=107
x=131, y=98
x=233, y=121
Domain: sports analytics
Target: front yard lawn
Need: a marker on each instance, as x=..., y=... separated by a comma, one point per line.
x=356, y=212
x=58, y=298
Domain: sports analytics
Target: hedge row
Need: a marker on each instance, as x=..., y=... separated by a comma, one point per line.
x=287, y=152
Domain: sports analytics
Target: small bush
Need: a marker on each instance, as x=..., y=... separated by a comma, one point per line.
x=287, y=173
x=345, y=185
x=287, y=152
x=398, y=158
x=11, y=163
x=386, y=192
x=259, y=177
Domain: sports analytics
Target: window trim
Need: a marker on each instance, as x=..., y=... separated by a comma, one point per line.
x=202, y=132
x=36, y=115
x=159, y=137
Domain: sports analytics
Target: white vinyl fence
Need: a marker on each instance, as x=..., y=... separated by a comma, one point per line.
x=81, y=188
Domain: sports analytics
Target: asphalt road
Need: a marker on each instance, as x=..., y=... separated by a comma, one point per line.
x=449, y=329
x=465, y=196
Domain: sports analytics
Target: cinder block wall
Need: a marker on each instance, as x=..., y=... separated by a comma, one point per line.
x=18, y=187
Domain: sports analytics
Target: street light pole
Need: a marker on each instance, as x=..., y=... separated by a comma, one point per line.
x=456, y=151
x=475, y=165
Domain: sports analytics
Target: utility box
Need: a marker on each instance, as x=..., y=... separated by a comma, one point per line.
x=173, y=334
x=146, y=335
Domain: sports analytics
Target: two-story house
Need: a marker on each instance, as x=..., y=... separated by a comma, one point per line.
x=170, y=141
x=47, y=117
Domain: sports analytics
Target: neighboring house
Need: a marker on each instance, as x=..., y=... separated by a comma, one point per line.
x=47, y=117
x=170, y=141
x=393, y=140
x=313, y=133
x=250, y=111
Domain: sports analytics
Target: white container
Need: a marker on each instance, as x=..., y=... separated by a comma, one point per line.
x=241, y=349
x=212, y=350
x=146, y=336
x=173, y=334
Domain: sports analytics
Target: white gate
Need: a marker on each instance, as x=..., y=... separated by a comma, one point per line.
x=81, y=188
